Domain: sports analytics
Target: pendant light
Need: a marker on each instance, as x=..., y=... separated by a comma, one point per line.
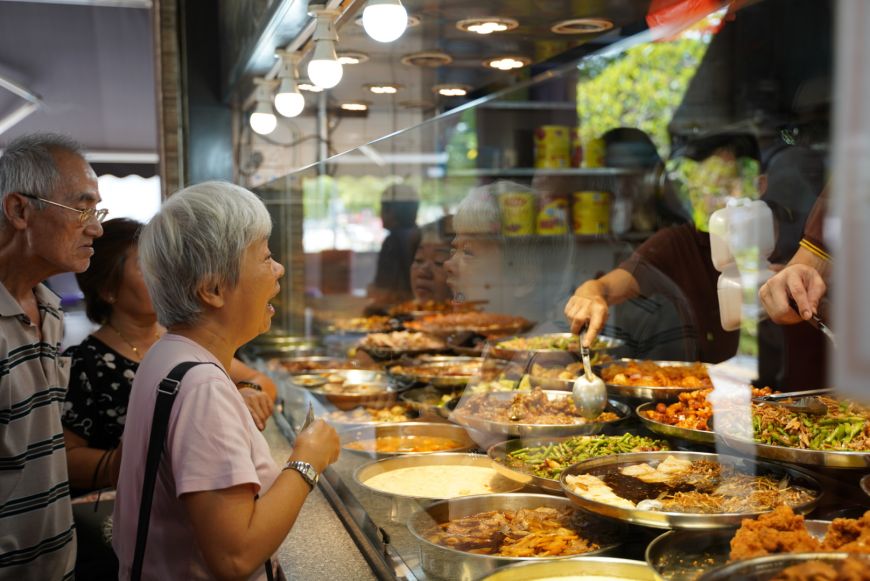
x=262, y=120
x=385, y=20
x=289, y=102
x=324, y=70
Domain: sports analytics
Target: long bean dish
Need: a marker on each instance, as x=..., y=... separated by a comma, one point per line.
x=845, y=426
x=549, y=461
x=527, y=532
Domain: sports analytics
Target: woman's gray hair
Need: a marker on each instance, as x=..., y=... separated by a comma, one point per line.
x=28, y=165
x=198, y=238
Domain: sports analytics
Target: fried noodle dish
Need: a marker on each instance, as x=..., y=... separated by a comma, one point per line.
x=527, y=532
x=531, y=407
x=846, y=426
x=782, y=531
x=652, y=374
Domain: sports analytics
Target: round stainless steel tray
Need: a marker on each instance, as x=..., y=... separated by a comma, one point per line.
x=826, y=458
x=684, y=555
x=385, y=396
x=366, y=471
x=646, y=392
x=426, y=400
x=539, y=430
x=448, y=563
x=499, y=452
x=604, y=344
x=428, y=372
x=685, y=520
x=765, y=568
x=698, y=436
x=579, y=569
x=405, y=430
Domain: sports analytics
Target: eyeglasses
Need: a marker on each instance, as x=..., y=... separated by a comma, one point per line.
x=85, y=216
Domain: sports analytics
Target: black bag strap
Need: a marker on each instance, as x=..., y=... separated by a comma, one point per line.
x=167, y=390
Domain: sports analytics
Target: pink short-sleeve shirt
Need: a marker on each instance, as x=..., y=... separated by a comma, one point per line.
x=212, y=444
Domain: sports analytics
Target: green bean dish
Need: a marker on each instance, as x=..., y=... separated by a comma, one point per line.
x=846, y=426
x=548, y=461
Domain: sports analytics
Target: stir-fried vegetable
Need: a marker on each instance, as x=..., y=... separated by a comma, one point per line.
x=846, y=426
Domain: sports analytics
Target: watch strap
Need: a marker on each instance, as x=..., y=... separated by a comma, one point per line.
x=306, y=470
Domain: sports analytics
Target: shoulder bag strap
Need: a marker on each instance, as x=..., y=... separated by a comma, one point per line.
x=166, y=392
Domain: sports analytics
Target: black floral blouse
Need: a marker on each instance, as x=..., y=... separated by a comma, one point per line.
x=99, y=391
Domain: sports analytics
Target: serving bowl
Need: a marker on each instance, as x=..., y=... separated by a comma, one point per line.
x=577, y=569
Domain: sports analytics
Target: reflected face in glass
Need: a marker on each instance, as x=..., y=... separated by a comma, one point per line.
x=428, y=272
x=474, y=271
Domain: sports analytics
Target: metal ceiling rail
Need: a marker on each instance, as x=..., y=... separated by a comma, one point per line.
x=33, y=103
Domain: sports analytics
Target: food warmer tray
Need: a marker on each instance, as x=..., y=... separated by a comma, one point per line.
x=579, y=569
x=405, y=429
x=682, y=520
x=428, y=374
x=667, y=430
x=646, y=392
x=825, y=458
x=769, y=566
x=602, y=345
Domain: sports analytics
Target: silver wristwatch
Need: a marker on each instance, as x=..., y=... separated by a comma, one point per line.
x=309, y=474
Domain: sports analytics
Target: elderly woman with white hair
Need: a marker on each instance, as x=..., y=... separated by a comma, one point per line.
x=220, y=507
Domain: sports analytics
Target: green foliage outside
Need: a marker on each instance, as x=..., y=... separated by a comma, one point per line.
x=640, y=88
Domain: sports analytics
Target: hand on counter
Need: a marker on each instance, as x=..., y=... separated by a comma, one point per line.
x=800, y=282
x=259, y=404
x=318, y=445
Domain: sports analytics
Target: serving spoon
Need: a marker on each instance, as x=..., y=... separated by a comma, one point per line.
x=589, y=392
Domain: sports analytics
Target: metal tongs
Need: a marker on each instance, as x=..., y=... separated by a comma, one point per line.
x=817, y=322
x=804, y=402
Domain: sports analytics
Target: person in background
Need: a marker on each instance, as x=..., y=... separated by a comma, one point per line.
x=392, y=282
x=676, y=261
x=105, y=363
x=48, y=225
x=221, y=507
x=428, y=275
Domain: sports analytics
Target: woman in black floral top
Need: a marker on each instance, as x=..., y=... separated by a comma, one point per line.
x=105, y=363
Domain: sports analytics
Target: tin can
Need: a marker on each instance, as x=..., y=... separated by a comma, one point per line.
x=593, y=153
x=591, y=213
x=576, y=148
x=517, y=213
x=552, y=146
x=552, y=214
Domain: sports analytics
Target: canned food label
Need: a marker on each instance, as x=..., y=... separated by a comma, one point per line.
x=553, y=216
x=591, y=213
x=517, y=213
x=552, y=146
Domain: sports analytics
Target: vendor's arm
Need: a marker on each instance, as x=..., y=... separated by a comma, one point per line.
x=590, y=302
x=803, y=280
x=237, y=532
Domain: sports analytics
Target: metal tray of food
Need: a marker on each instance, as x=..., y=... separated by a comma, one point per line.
x=560, y=348
x=430, y=401
x=439, y=474
x=686, y=520
x=530, y=430
x=294, y=365
x=446, y=372
x=370, y=416
x=440, y=437
x=667, y=430
x=684, y=555
x=347, y=389
x=487, y=324
x=770, y=566
x=646, y=392
x=499, y=455
x=448, y=563
x=579, y=569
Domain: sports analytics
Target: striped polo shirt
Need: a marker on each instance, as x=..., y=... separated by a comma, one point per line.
x=37, y=539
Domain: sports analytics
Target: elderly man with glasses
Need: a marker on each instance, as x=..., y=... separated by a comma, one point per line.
x=48, y=224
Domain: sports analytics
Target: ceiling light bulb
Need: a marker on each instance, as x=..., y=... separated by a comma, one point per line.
x=487, y=27
x=324, y=70
x=263, y=121
x=289, y=102
x=385, y=20
x=506, y=63
x=354, y=106
x=383, y=89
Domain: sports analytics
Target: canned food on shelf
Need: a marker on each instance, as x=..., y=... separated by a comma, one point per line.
x=517, y=213
x=552, y=214
x=576, y=148
x=593, y=153
x=552, y=146
x=591, y=213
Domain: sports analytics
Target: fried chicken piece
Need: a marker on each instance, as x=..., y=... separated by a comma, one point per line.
x=780, y=531
x=850, y=535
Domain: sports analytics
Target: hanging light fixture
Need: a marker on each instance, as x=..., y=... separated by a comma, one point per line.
x=385, y=20
x=324, y=70
x=289, y=102
x=262, y=120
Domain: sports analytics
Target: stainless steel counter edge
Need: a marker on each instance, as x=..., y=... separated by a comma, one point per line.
x=333, y=537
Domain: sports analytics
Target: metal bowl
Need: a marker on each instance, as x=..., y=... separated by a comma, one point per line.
x=405, y=430
x=767, y=567
x=685, y=520
x=378, y=392
x=684, y=555
x=579, y=569
x=430, y=371
x=826, y=458
x=646, y=392
x=539, y=430
x=499, y=452
x=448, y=563
x=362, y=474
x=427, y=401
x=667, y=430
x=550, y=356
